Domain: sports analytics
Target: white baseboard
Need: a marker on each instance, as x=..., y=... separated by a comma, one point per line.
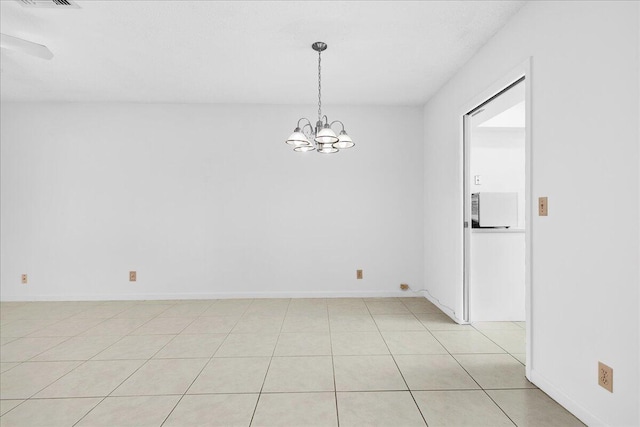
x=570, y=405
x=444, y=309
x=211, y=295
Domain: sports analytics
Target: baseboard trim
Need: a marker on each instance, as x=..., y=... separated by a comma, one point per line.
x=561, y=397
x=208, y=295
x=444, y=309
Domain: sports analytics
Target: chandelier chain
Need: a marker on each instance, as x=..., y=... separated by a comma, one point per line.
x=319, y=86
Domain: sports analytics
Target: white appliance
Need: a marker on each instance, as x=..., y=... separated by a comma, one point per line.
x=494, y=210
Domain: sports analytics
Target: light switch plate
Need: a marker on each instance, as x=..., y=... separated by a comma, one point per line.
x=358, y=274
x=543, y=206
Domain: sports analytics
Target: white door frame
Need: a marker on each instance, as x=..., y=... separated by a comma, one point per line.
x=522, y=70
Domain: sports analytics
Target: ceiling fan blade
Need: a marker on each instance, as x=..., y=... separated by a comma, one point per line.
x=24, y=46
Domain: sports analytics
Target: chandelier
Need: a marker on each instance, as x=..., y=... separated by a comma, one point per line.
x=321, y=138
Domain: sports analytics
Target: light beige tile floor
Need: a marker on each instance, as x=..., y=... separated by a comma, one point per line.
x=263, y=362
x=214, y=410
x=300, y=374
x=133, y=411
x=303, y=344
x=232, y=375
x=49, y=412
x=442, y=408
x=296, y=409
x=360, y=373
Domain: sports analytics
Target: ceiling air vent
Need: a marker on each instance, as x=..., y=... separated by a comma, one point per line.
x=49, y=4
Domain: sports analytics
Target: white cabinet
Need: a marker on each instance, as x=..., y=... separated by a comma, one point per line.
x=497, y=275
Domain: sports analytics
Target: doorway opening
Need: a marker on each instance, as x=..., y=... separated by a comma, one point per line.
x=496, y=191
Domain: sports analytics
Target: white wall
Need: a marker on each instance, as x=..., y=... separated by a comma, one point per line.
x=206, y=201
x=585, y=159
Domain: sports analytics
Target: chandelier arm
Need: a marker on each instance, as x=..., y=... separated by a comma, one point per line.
x=336, y=121
x=311, y=133
x=303, y=118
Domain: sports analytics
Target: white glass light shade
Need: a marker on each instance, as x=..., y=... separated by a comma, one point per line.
x=326, y=136
x=344, y=141
x=297, y=138
x=326, y=149
x=304, y=148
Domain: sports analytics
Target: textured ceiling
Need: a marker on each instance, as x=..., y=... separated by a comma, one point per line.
x=391, y=53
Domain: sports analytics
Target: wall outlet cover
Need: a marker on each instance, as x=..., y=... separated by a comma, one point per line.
x=133, y=276
x=23, y=279
x=605, y=377
x=358, y=274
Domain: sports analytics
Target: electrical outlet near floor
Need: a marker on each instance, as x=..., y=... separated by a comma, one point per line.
x=605, y=377
x=404, y=286
x=133, y=276
x=24, y=279
x=358, y=274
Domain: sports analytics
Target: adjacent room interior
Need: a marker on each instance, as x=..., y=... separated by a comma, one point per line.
x=319, y=213
x=496, y=179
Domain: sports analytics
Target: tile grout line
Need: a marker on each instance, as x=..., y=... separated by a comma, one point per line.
x=205, y=365
x=469, y=374
x=396, y=363
x=490, y=339
x=19, y=404
x=139, y=367
x=200, y=372
x=68, y=338
x=500, y=407
x=510, y=354
x=264, y=380
x=280, y=392
x=446, y=349
x=72, y=370
x=333, y=367
x=460, y=364
x=135, y=370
